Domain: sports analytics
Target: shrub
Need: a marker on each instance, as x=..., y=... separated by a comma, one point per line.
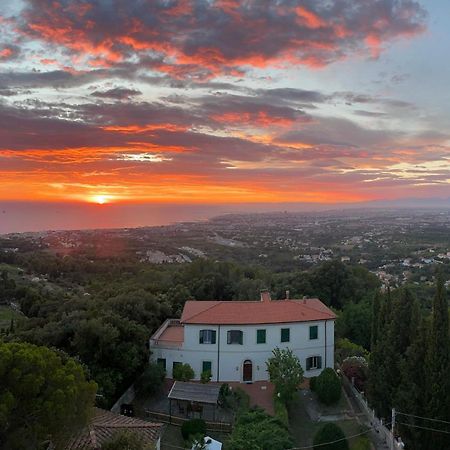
x=183, y=372
x=280, y=409
x=205, y=377
x=328, y=387
x=356, y=368
x=330, y=433
x=255, y=429
x=151, y=380
x=126, y=440
x=238, y=400
x=346, y=348
x=312, y=383
x=193, y=427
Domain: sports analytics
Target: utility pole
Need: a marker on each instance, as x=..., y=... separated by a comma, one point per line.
x=392, y=428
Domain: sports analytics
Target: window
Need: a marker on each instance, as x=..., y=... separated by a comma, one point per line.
x=162, y=363
x=260, y=336
x=285, y=334
x=313, y=332
x=207, y=366
x=314, y=362
x=207, y=337
x=234, y=337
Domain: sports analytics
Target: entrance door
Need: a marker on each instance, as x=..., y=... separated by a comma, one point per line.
x=248, y=371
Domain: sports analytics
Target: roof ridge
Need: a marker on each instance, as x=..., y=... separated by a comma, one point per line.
x=204, y=310
x=310, y=308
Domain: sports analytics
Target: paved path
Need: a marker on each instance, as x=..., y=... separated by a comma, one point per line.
x=260, y=392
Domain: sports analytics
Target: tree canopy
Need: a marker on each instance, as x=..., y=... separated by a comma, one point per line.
x=285, y=371
x=44, y=395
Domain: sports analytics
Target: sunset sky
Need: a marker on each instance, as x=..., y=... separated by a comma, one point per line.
x=224, y=102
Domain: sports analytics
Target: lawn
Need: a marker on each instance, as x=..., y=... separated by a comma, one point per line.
x=303, y=428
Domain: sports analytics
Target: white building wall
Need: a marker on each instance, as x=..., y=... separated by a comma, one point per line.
x=232, y=356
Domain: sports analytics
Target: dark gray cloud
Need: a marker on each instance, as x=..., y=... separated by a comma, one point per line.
x=198, y=39
x=118, y=93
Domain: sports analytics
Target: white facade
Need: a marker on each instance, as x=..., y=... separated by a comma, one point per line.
x=227, y=360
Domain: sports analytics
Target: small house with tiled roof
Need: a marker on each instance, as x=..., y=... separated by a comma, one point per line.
x=105, y=424
x=234, y=339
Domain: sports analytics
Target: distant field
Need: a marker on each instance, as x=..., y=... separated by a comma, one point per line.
x=6, y=314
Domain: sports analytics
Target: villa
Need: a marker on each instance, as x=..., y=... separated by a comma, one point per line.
x=234, y=339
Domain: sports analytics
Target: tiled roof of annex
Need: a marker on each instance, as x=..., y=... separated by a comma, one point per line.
x=105, y=424
x=266, y=311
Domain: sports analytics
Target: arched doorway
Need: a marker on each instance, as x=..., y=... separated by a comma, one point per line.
x=247, y=372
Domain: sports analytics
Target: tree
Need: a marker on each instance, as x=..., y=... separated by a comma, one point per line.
x=330, y=432
x=439, y=367
x=328, y=386
x=257, y=430
x=151, y=380
x=285, y=372
x=126, y=440
x=44, y=395
x=193, y=427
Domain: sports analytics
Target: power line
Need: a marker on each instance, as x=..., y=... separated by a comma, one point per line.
x=337, y=440
x=424, y=428
x=424, y=418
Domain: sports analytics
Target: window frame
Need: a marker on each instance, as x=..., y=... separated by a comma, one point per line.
x=316, y=327
x=259, y=333
x=283, y=332
x=317, y=359
x=209, y=333
x=230, y=334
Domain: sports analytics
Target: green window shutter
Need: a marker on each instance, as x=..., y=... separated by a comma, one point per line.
x=285, y=335
x=319, y=362
x=308, y=363
x=201, y=337
x=213, y=336
x=313, y=332
x=206, y=366
x=241, y=337
x=260, y=336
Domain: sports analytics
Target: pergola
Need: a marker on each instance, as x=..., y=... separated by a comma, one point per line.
x=195, y=395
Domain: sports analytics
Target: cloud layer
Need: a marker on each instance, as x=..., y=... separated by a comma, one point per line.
x=179, y=101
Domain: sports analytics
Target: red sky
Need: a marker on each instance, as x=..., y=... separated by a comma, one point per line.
x=221, y=102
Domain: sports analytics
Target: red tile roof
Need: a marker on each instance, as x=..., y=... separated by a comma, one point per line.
x=105, y=424
x=255, y=312
x=173, y=334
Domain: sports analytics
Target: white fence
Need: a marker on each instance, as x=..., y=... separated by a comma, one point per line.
x=383, y=433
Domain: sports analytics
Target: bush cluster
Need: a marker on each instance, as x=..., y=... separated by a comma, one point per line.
x=193, y=427
x=328, y=387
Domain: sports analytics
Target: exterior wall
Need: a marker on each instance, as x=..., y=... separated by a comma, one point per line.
x=231, y=357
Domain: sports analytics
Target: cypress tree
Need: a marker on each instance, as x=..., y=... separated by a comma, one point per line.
x=410, y=396
x=376, y=306
x=438, y=370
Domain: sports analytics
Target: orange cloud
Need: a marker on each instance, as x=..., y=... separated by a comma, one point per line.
x=310, y=19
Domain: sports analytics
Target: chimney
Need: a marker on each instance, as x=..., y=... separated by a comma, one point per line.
x=265, y=295
x=287, y=295
x=304, y=299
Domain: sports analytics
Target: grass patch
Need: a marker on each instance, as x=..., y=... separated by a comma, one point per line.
x=303, y=428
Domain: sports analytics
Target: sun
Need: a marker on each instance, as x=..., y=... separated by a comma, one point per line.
x=100, y=199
